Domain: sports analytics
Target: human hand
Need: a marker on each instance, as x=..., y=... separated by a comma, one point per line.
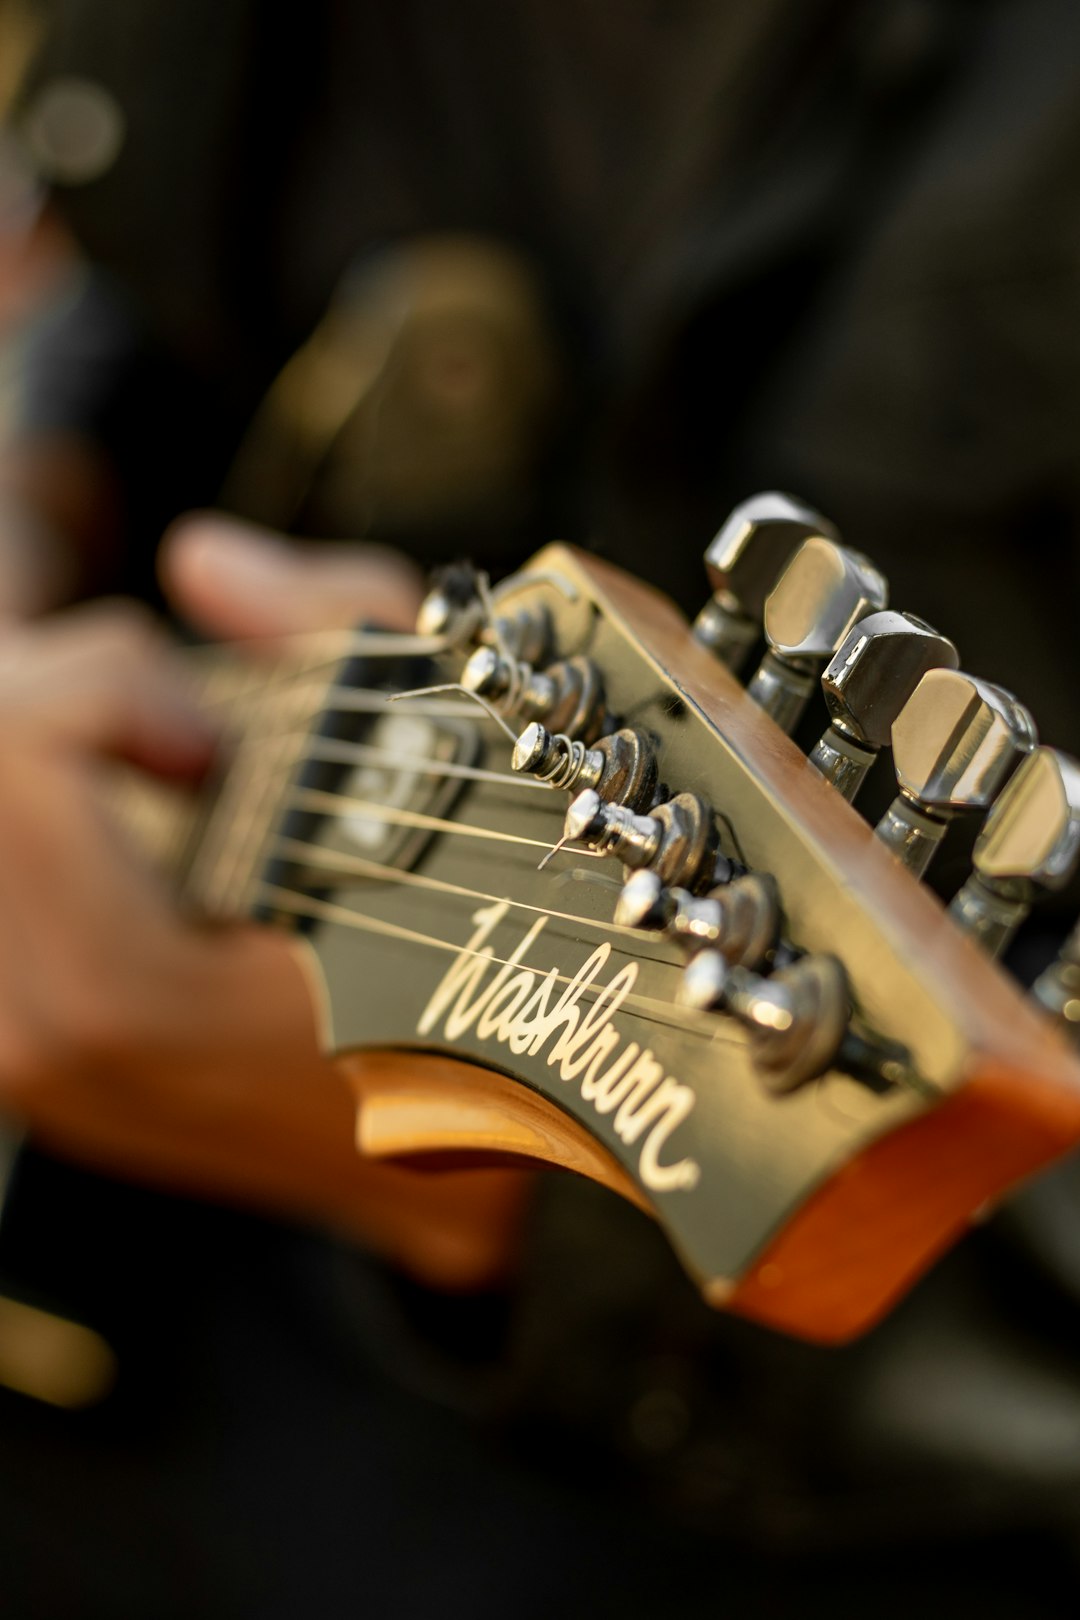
x=142, y=1042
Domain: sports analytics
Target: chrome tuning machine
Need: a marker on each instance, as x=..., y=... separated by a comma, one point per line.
x=676, y=840
x=1057, y=989
x=741, y=919
x=621, y=767
x=1028, y=848
x=955, y=744
x=568, y=696
x=454, y=609
x=743, y=562
x=825, y=589
x=866, y=683
x=796, y=1019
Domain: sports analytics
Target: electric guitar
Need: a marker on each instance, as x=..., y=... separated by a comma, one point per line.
x=806, y=1171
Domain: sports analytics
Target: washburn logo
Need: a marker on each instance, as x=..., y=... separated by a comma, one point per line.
x=519, y=1010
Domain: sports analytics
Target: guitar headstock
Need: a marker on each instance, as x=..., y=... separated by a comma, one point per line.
x=808, y=1150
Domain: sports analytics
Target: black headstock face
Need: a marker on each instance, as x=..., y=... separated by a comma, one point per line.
x=413, y=870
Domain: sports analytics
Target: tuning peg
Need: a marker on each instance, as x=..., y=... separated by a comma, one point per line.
x=744, y=561
x=677, y=840
x=621, y=767
x=741, y=919
x=825, y=589
x=866, y=683
x=797, y=1018
x=1057, y=988
x=956, y=742
x=1028, y=847
x=455, y=610
x=452, y=607
x=568, y=695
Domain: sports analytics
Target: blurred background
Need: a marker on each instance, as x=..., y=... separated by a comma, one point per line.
x=464, y=279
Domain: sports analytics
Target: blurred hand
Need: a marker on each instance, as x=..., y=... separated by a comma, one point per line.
x=233, y=580
x=137, y=1040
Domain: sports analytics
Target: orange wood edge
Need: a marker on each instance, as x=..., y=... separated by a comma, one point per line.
x=442, y=1112
x=866, y=1235
x=874, y=1227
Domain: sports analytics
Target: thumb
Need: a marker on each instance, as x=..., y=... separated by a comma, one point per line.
x=234, y=580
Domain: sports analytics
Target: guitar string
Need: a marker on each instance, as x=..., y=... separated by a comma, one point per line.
x=340, y=805
x=655, y=1011
x=367, y=700
x=327, y=748
x=253, y=680
x=371, y=700
x=222, y=867
x=346, y=864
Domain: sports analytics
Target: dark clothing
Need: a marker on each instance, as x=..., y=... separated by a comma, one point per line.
x=811, y=244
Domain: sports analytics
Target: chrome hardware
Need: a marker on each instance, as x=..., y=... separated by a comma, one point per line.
x=866, y=684
x=741, y=919
x=677, y=839
x=454, y=609
x=1057, y=988
x=621, y=766
x=526, y=634
x=955, y=743
x=796, y=1019
x=825, y=589
x=743, y=562
x=568, y=696
x=1028, y=847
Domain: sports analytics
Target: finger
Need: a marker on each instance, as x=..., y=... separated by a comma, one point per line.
x=235, y=580
x=104, y=679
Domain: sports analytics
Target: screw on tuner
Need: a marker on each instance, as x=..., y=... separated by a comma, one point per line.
x=741, y=918
x=568, y=696
x=677, y=840
x=621, y=768
x=455, y=610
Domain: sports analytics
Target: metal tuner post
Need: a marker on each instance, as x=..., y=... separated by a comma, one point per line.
x=740, y=919
x=621, y=767
x=568, y=696
x=677, y=840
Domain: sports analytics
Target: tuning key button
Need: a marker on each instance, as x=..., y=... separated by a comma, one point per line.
x=955, y=743
x=621, y=766
x=866, y=683
x=825, y=589
x=1028, y=847
x=744, y=562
